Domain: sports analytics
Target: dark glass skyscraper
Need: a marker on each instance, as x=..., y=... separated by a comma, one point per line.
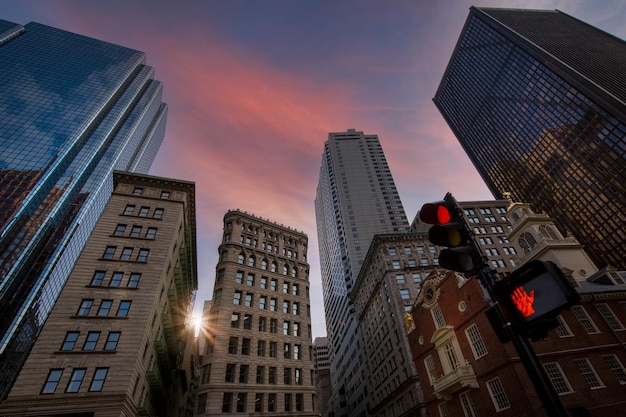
x=72, y=110
x=538, y=101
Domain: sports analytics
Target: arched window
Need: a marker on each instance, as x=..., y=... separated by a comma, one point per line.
x=527, y=242
x=264, y=264
x=284, y=269
x=224, y=256
x=241, y=258
x=274, y=266
x=251, y=261
x=547, y=232
x=294, y=272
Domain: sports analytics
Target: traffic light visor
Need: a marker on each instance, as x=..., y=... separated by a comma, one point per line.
x=435, y=213
x=446, y=235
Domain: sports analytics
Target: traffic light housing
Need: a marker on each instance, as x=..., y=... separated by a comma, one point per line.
x=534, y=294
x=450, y=229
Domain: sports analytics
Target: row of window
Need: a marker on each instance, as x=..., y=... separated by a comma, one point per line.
x=289, y=351
x=239, y=402
x=291, y=376
x=587, y=371
x=411, y=263
x=117, y=279
x=165, y=195
x=288, y=326
x=127, y=254
x=408, y=251
x=253, y=242
x=144, y=211
x=91, y=341
x=247, y=300
x=75, y=381
x=241, y=259
x=135, y=231
x=104, y=308
x=250, y=280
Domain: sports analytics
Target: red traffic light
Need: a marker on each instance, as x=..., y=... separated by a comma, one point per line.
x=536, y=291
x=436, y=213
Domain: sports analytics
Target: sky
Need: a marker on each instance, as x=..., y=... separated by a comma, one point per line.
x=254, y=87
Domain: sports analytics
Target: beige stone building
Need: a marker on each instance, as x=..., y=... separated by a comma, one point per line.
x=258, y=351
x=115, y=343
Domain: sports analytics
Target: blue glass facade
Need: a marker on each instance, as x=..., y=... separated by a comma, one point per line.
x=72, y=110
x=537, y=100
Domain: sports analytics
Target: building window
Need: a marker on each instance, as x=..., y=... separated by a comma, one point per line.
x=250, y=280
x=54, y=376
x=249, y=300
x=260, y=349
x=158, y=213
x=258, y=403
x=273, y=326
x=201, y=404
x=143, y=211
x=227, y=402
x=234, y=320
x=404, y=294
x=91, y=341
x=251, y=261
x=262, y=302
x=135, y=231
x=232, y=345
x=151, y=232
x=298, y=376
x=450, y=352
x=129, y=210
x=112, y=339
x=468, y=404
x=239, y=277
x=296, y=351
x=243, y=374
x=133, y=281
x=608, y=315
x=498, y=396
x=109, y=252
x=563, y=330
x=588, y=373
x=137, y=191
x=116, y=279
x=122, y=310
x=583, y=318
x=272, y=375
x=165, y=195
x=262, y=324
x=143, y=255
x=126, y=254
x=247, y=321
x=438, y=316
x=273, y=349
x=241, y=402
x=476, y=341
x=230, y=373
x=287, y=376
x=443, y=409
x=119, y=230
x=558, y=379
x=396, y=265
x=271, y=403
x=237, y=297
x=245, y=346
x=76, y=380
x=429, y=364
x=97, y=382
x=400, y=279
x=105, y=307
x=70, y=340
x=296, y=329
x=616, y=367
x=299, y=402
x=295, y=309
x=286, y=307
x=84, y=308
x=206, y=373
x=286, y=326
x=97, y=279
x=273, y=302
x=287, y=351
x=273, y=284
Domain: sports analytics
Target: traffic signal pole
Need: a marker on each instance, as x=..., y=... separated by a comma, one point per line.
x=545, y=390
x=464, y=254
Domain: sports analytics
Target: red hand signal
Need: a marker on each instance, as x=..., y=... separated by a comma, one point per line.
x=523, y=301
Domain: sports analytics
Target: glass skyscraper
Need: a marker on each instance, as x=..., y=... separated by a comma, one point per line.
x=356, y=199
x=72, y=110
x=537, y=99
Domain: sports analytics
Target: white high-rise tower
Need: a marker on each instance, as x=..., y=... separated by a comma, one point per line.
x=356, y=199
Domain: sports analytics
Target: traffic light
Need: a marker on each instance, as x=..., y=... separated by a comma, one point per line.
x=534, y=295
x=450, y=229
